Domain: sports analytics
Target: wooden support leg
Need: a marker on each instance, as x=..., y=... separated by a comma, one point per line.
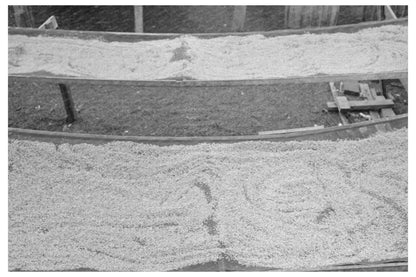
x=138, y=19
x=68, y=103
x=239, y=16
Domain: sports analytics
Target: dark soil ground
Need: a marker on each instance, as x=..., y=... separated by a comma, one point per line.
x=173, y=111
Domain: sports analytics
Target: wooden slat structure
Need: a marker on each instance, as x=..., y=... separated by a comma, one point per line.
x=134, y=37
x=310, y=16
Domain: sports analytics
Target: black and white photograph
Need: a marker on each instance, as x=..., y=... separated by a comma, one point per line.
x=207, y=138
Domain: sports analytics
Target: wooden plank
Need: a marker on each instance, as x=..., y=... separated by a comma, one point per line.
x=50, y=23
x=239, y=17
x=334, y=92
x=386, y=112
x=399, y=120
x=294, y=130
x=138, y=19
x=366, y=92
x=400, y=266
x=364, y=105
x=389, y=14
x=342, y=103
x=352, y=86
x=49, y=78
x=133, y=37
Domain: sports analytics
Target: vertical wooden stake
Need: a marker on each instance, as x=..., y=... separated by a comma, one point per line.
x=138, y=19
x=239, y=16
x=23, y=17
x=297, y=17
x=68, y=103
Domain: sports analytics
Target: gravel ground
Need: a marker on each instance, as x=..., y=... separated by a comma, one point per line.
x=126, y=206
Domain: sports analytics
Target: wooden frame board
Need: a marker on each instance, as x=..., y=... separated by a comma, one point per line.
x=49, y=78
x=349, y=131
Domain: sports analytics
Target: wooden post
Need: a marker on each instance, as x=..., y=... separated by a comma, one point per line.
x=239, y=17
x=23, y=17
x=68, y=103
x=297, y=17
x=372, y=13
x=138, y=19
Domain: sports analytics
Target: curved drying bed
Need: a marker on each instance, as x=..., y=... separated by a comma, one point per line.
x=366, y=128
x=44, y=76
x=351, y=131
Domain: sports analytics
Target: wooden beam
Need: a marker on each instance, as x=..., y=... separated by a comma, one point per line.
x=364, y=105
x=389, y=14
x=68, y=103
x=138, y=19
x=294, y=130
x=334, y=92
x=239, y=17
x=49, y=24
x=50, y=78
x=23, y=17
x=342, y=103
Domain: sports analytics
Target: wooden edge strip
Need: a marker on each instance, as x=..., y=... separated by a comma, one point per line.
x=209, y=83
x=293, y=130
x=207, y=139
x=399, y=264
x=125, y=36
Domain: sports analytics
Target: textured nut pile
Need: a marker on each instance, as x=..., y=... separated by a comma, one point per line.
x=371, y=50
x=127, y=206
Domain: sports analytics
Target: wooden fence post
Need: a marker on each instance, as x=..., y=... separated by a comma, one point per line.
x=23, y=17
x=138, y=19
x=239, y=16
x=297, y=17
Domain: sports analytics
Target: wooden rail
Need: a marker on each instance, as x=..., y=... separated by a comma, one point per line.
x=49, y=78
x=350, y=131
